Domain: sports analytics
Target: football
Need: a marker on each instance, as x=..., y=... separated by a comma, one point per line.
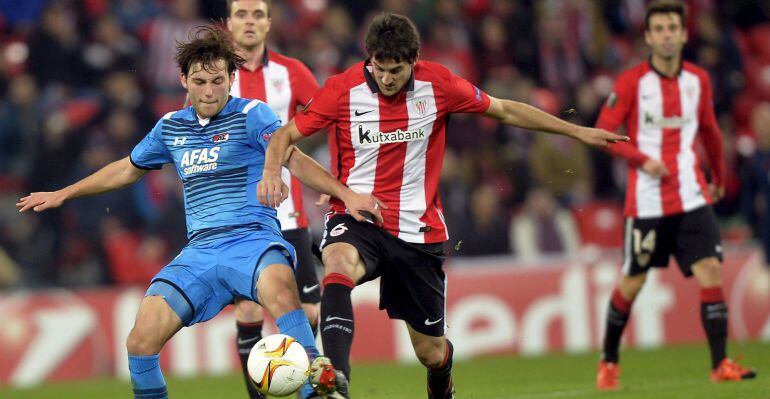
x=278, y=365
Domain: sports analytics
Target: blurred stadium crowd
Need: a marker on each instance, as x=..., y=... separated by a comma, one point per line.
x=83, y=81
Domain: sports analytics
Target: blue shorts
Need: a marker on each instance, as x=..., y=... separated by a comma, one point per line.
x=206, y=277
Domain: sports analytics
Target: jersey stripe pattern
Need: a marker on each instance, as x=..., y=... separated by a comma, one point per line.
x=284, y=83
x=663, y=117
x=393, y=147
x=220, y=162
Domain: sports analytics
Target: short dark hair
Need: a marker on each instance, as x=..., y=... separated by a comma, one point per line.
x=665, y=7
x=393, y=37
x=230, y=6
x=207, y=45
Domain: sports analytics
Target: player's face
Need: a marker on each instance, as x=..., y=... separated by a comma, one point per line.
x=207, y=89
x=249, y=23
x=666, y=35
x=391, y=76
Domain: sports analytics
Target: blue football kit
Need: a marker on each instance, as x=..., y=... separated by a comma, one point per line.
x=232, y=237
x=220, y=162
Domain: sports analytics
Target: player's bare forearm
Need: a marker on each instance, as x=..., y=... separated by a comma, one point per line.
x=528, y=117
x=313, y=175
x=271, y=190
x=277, y=148
x=112, y=177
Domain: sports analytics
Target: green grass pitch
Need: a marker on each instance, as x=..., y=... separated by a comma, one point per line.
x=671, y=372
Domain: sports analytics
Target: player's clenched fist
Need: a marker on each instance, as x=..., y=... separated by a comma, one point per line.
x=271, y=190
x=41, y=201
x=365, y=207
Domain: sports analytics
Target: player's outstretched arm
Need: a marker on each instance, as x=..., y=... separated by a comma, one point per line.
x=271, y=190
x=313, y=175
x=528, y=117
x=112, y=177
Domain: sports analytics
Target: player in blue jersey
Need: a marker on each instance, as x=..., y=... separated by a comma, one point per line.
x=235, y=249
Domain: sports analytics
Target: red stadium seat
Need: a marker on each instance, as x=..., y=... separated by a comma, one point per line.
x=759, y=40
x=80, y=111
x=165, y=103
x=600, y=223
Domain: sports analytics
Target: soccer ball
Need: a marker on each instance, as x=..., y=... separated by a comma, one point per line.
x=278, y=365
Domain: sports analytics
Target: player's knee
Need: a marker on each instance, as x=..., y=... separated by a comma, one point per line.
x=248, y=312
x=631, y=285
x=338, y=262
x=284, y=299
x=141, y=342
x=709, y=272
x=430, y=352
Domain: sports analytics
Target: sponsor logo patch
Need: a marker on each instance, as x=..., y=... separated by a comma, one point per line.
x=399, y=136
x=199, y=160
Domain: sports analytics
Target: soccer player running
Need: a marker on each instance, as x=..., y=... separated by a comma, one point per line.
x=665, y=103
x=235, y=249
x=284, y=84
x=389, y=114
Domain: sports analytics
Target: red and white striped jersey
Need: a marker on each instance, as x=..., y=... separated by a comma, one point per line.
x=663, y=116
x=393, y=147
x=283, y=83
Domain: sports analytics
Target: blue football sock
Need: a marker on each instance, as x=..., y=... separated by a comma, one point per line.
x=146, y=377
x=295, y=325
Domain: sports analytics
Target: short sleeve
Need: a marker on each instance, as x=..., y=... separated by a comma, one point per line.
x=261, y=123
x=320, y=111
x=151, y=152
x=462, y=96
x=303, y=84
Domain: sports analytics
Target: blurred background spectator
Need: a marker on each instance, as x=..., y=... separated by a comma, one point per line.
x=83, y=81
x=543, y=227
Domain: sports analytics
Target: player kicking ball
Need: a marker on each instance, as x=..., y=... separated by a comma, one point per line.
x=665, y=103
x=389, y=116
x=235, y=249
x=284, y=84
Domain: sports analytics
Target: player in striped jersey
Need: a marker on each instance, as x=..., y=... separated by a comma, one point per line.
x=285, y=84
x=235, y=249
x=665, y=103
x=388, y=115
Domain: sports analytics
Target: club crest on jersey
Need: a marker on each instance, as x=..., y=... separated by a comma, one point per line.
x=221, y=137
x=690, y=91
x=278, y=84
x=421, y=105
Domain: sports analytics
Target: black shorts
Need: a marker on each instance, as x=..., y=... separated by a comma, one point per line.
x=689, y=236
x=307, y=278
x=412, y=280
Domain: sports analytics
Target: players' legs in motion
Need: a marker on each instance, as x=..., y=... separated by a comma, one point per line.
x=248, y=320
x=435, y=353
x=622, y=299
x=343, y=268
x=713, y=312
x=156, y=322
x=277, y=292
